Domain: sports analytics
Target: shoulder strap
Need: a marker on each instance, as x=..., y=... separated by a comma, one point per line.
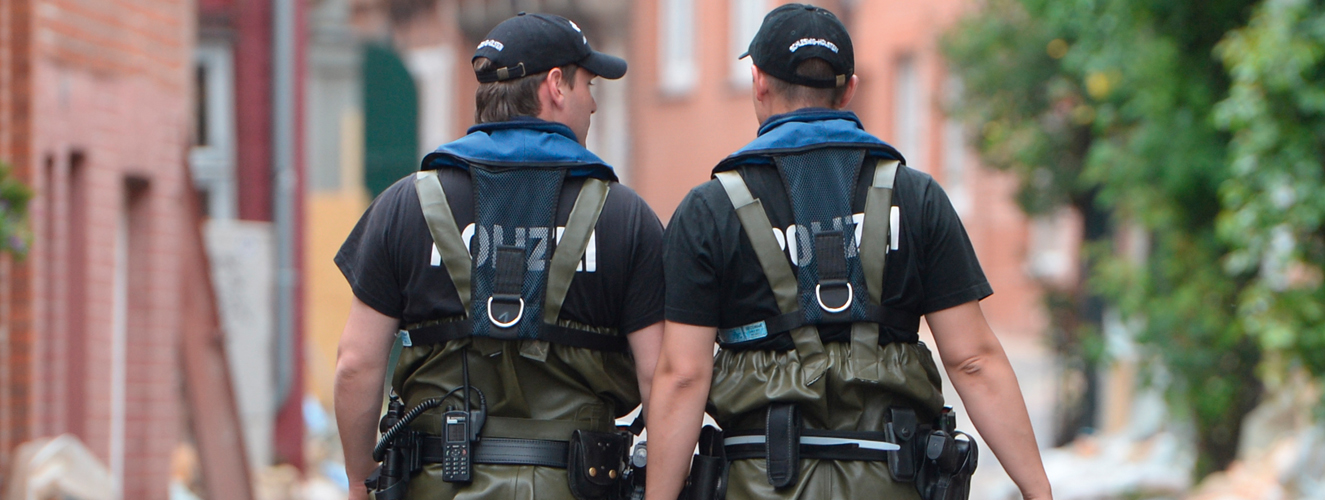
x=570, y=247
x=445, y=233
x=874, y=234
x=760, y=231
x=873, y=258
x=809, y=348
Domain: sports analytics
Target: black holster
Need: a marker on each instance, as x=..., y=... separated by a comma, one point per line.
x=946, y=467
x=708, y=469
x=390, y=481
x=596, y=464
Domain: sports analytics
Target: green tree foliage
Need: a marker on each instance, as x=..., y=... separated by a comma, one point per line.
x=1110, y=106
x=1273, y=208
x=14, y=196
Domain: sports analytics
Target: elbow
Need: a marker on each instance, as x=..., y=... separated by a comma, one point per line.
x=350, y=368
x=971, y=366
x=683, y=377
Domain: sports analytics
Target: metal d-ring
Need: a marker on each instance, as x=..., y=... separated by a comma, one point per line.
x=517, y=316
x=851, y=296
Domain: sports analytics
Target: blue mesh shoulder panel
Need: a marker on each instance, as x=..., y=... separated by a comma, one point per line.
x=820, y=185
x=513, y=207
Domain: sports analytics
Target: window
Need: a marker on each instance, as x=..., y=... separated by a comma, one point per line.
x=433, y=68
x=609, y=137
x=677, y=71
x=212, y=159
x=910, y=113
x=746, y=16
x=955, y=180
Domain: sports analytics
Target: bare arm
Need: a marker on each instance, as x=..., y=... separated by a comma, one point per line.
x=644, y=346
x=984, y=379
x=676, y=408
x=361, y=363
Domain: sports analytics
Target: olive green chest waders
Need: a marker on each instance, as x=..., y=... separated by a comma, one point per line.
x=835, y=420
x=551, y=389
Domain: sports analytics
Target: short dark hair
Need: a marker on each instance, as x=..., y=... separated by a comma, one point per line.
x=505, y=100
x=809, y=68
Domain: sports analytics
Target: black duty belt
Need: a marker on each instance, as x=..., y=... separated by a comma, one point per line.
x=444, y=332
x=814, y=443
x=503, y=451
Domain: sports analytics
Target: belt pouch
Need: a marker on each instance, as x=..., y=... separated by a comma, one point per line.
x=783, y=442
x=900, y=429
x=595, y=464
x=708, y=469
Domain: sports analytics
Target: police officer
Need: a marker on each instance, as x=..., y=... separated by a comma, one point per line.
x=512, y=263
x=810, y=258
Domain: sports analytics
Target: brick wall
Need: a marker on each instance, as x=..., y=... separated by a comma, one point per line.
x=95, y=111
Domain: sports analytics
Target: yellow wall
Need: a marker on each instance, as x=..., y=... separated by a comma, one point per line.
x=330, y=215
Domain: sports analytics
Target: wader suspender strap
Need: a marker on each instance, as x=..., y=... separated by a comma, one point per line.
x=455, y=256
x=809, y=348
x=570, y=247
x=445, y=233
x=874, y=236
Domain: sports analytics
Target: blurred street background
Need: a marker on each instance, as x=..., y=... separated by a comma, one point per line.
x=1141, y=180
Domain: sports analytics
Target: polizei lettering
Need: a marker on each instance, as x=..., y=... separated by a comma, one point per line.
x=483, y=250
x=798, y=241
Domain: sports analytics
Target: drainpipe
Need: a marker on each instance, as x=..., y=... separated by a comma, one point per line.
x=283, y=192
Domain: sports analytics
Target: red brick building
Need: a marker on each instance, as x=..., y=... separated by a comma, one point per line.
x=96, y=108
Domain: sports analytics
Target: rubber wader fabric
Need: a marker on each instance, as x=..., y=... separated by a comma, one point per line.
x=744, y=382
x=861, y=380
x=576, y=388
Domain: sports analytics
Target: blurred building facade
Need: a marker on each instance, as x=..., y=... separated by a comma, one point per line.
x=95, y=116
x=148, y=135
x=246, y=185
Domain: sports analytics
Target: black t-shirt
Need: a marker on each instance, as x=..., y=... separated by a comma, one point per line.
x=714, y=277
x=391, y=263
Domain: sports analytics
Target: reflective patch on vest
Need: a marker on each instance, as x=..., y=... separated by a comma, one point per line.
x=752, y=331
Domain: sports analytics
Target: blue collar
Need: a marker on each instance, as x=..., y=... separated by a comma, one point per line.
x=807, y=129
x=523, y=142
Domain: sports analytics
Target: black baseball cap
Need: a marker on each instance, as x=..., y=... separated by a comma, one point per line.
x=796, y=32
x=529, y=44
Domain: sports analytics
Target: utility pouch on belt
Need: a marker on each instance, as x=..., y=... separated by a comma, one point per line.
x=946, y=467
x=900, y=429
x=596, y=462
x=783, y=432
x=708, y=469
